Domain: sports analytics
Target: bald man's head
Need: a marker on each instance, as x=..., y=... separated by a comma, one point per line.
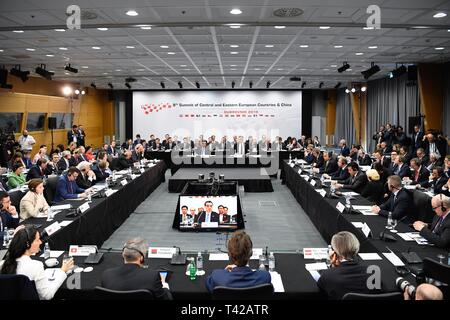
x=428, y=292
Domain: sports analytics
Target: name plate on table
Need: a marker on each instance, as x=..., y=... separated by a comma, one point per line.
x=123, y=182
x=210, y=225
x=305, y=177
x=81, y=251
x=292, y=164
x=84, y=207
x=313, y=182
x=109, y=192
x=142, y=170
x=299, y=171
x=322, y=192
x=133, y=176
x=366, y=230
x=256, y=253
x=340, y=207
x=51, y=229
x=161, y=252
x=315, y=253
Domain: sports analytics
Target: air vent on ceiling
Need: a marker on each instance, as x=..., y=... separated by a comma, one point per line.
x=351, y=38
x=287, y=12
x=86, y=15
x=295, y=79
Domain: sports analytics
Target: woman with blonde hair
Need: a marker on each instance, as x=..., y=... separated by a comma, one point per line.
x=373, y=190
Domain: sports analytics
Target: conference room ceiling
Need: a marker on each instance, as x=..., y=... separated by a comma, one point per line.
x=191, y=40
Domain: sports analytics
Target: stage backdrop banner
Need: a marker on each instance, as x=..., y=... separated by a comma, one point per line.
x=219, y=113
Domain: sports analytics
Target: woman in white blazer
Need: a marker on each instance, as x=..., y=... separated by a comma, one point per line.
x=33, y=204
x=26, y=242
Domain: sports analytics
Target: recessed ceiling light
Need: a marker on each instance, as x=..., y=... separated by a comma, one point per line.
x=324, y=27
x=62, y=48
x=368, y=28
x=256, y=69
x=304, y=46
x=333, y=66
x=186, y=69
x=66, y=73
x=18, y=31
x=359, y=53
x=130, y=47
x=280, y=69
x=326, y=69
x=102, y=29
x=171, y=53
x=132, y=13
x=85, y=67
x=118, y=70
x=183, y=65
x=234, y=46
x=105, y=73
x=303, y=69
x=269, y=45
x=60, y=30
x=350, y=69
x=448, y=30
x=1, y=50
x=233, y=65
x=233, y=69
x=146, y=27
x=96, y=48
x=235, y=25
x=164, y=47
x=31, y=49
x=338, y=47
x=438, y=48
x=440, y=15
x=234, y=52
x=420, y=27
x=373, y=47
x=280, y=27
x=236, y=11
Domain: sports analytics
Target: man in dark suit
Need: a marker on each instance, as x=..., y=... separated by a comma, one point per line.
x=401, y=169
x=399, y=203
x=381, y=158
x=417, y=138
x=385, y=148
x=345, y=151
x=341, y=173
x=203, y=150
x=101, y=171
x=52, y=165
x=81, y=135
x=423, y=158
x=329, y=165
x=356, y=181
x=8, y=213
x=132, y=276
x=111, y=149
x=38, y=170
x=346, y=274
x=438, y=233
x=208, y=215
x=124, y=161
x=67, y=188
x=224, y=144
x=420, y=174
x=363, y=158
x=64, y=162
x=138, y=153
x=87, y=177
x=438, y=180
x=238, y=274
x=73, y=135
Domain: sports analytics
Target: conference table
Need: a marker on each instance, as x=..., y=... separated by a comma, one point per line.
x=329, y=220
x=104, y=215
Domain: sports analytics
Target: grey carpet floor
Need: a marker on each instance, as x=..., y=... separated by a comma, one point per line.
x=272, y=219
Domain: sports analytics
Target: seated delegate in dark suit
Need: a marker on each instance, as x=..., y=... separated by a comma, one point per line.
x=138, y=153
x=238, y=275
x=439, y=180
x=345, y=151
x=374, y=190
x=346, y=274
x=342, y=173
x=207, y=215
x=67, y=188
x=329, y=164
x=38, y=171
x=101, y=171
x=132, y=276
x=420, y=174
x=64, y=163
x=124, y=161
x=364, y=159
x=356, y=181
x=86, y=177
x=438, y=233
x=8, y=213
x=399, y=203
x=402, y=169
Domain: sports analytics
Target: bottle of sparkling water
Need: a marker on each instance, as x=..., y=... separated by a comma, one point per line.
x=192, y=270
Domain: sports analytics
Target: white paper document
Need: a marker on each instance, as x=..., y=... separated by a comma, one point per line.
x=392, y=257
x=62, y=207
x=315, y=275
x=358, y=224
x=276, y=281
x=370, y=256
x=65, y=223
x=350, y=193
x=316, y=266
x=362, y=207
x=53, y=254
x=218, y=257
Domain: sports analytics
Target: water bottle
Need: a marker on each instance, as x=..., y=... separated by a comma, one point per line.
x=390, y=221
x=5, y=237
x=49, y=214
x=114, y=175
x=329, y=256
x=192, y=270
x=290, y=158
x=199, y=262
x=46, y=251
x=271, y=262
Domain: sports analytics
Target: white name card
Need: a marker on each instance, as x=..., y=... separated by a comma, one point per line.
x=340, y=207
x=81, y=251
x=133, y=176
x=322, y=192
x=366, y=230
x=123, y=182
x=292, y=164
x=256, y=253
x=142, y=170
x=299, y=171
x=161, y=252
x=210, y=225
x=313, y=182
x=51, y=229
x=84, y=207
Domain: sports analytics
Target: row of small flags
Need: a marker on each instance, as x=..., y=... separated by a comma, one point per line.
x=226, y=115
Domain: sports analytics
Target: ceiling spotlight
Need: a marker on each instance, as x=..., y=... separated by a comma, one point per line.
x=67, y=91
x=93, y=85
x=197, y=84
x=70, y=69
x=250, y=84
x=320, y=85
x=371, y=71
x=77, y=91
x=337, y=85
x=353, y=90
x=44, y=73
x=233, y=84
x=110, y=85
x=236, y=11
x=127, y=85
x=163, y=85
x=397, y=72
x=19, y=73
x=303, y=84
x=132, y=13
x=344, y=67
x=363, y=88
x=440, y=15
x=268, y=85
x=180, y=84
x=347, y=91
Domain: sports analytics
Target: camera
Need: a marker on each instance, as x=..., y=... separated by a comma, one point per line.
x=403, y=284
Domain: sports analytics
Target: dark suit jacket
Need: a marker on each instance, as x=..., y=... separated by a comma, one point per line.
x=137, y=156
x=110, y=150
x=100, y=175
x=202, y=215
x=437, y=184
x=70, y=135
x=8, y=221
x=366, y=161
x=423, y=176
x=441, y=235
x=35, y=172
x=340, y=174
x=83, y=181
x=404, y=171
x=245, y=147
x=424, y=161
x=402, y=206
x=328, y=167
x=62, y=164
x=319, y=161
x=348, y=277
x=122, y=163
x=239, y=277
x=373, y=191
x=131, y=276
x=417, y=140
x=345, y=151
x=357, y=184
x=66, y=189
x=51, y=169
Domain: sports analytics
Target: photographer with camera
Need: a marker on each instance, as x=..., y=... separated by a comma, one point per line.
x=425, y=291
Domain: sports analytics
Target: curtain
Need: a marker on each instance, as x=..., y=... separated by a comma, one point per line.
x=345, y=126
x=390, y=100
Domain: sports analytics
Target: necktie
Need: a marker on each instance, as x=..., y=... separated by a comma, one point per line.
x=437, y=225
x=207, y=217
